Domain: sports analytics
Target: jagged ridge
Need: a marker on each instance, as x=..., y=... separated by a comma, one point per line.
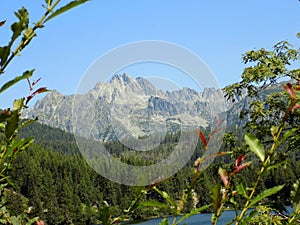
x=126, y=108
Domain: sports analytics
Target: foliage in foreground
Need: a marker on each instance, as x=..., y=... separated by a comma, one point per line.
x=10, y=119
x=271, y=123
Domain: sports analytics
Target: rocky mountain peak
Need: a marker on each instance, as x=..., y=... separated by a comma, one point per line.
x=121, y=79
x=129, y=103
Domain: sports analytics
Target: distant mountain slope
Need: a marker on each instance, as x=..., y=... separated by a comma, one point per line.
x=128, y=108
x=49, y=137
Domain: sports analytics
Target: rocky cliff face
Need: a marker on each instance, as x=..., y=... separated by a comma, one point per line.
x=128, y=108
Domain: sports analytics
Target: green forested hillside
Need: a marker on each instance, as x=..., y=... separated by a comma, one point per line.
x=57, y=184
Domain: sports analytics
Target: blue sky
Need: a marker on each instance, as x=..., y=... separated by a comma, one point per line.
x=219, y=32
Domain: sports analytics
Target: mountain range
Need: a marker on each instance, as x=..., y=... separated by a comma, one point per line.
x=127, y=107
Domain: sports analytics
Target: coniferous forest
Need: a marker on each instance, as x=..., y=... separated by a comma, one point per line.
x=54, y=179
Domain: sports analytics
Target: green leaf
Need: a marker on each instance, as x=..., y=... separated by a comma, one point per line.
x=255, y=146
x=22, y=144
x=276, y=165
x=12, y=124
x=241, y=189
x=18, y=104
x=164, y=222
x=32, y=221
x=295, y=194
x=10, y=182
x=166, y=196
x=274, y=130
x=17, y=145
x=235, y=204
x=264, y=194
x=104, y=213
x=135, y=202
x=48, y=2
x=152, y=203
x=216, y=196
x=65, y=8
x=193, y=212
x=17, y=29
x=14, y=220
x=21, y=25
x=27, y=74
x=23, y=16
x=4, y=53
x=286, y=135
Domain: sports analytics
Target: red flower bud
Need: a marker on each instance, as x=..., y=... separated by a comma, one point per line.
x=224, y=176
x=202, y=139
x=290, y=90
x=238, y=165
x=297, y=106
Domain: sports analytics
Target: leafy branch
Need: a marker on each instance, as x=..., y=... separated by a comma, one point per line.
x=10, y=119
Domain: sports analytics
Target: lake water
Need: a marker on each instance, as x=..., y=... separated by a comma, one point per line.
x=199, y=219
x=202, y=219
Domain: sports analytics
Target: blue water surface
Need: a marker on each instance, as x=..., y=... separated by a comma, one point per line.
x=201, y=219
